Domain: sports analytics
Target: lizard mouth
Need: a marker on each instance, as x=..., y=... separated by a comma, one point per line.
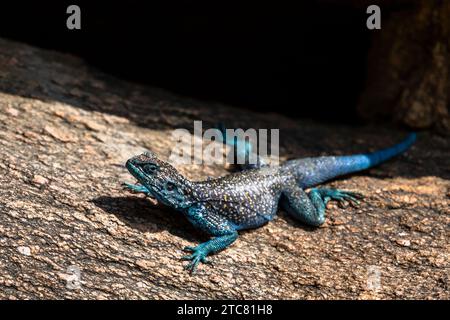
x=137, y=172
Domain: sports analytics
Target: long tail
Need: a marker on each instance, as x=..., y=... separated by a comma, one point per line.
x=312, y=171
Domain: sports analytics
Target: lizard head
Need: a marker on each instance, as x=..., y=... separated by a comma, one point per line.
x=162, y=180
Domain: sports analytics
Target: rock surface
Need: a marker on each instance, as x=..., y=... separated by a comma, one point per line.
x=68, y=230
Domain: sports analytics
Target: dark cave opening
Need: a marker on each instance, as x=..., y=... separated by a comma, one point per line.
x=303, y=60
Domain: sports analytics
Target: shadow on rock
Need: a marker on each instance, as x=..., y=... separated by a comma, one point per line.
x=140, y=214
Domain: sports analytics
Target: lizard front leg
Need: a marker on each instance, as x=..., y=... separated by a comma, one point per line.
x=200, y=252
x=242, y=149
x=209, y=221
x=135, y=188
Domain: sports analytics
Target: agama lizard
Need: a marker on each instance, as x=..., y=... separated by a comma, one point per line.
x=250, y=198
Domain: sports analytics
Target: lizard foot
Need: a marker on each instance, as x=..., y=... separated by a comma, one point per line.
x=341, y=196
x=345, y=196
x=198, y=255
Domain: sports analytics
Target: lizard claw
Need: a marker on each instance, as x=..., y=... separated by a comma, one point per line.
x=357, y=195
x=353, y=198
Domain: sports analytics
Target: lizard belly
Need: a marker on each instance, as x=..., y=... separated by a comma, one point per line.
x=256, y=222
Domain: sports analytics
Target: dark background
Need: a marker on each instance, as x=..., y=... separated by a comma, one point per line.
x=303, y=60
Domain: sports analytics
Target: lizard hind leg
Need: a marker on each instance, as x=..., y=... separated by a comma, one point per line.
x=306, y=208
x=310, y=207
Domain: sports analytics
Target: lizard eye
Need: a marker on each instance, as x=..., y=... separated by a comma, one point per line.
x=150, y=168
x=170, y=186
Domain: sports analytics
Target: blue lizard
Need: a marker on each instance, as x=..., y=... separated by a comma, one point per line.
x=250, y=198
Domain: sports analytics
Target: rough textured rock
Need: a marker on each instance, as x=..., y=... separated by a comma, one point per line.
x=408, y=77
x=66, y=131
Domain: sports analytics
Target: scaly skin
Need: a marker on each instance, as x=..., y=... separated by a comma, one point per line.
x=250, y=198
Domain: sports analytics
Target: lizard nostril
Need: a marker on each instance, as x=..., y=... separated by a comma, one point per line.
x=129, y=164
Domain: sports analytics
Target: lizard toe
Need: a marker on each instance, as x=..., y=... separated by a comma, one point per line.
x=189, y=249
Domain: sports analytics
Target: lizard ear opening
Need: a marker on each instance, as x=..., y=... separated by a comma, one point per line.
x=170, y=186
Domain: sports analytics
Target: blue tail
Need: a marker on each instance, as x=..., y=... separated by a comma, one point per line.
x=369, y=160
x=312, y=171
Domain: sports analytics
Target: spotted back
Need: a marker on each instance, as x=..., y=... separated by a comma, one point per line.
x=246, y=199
